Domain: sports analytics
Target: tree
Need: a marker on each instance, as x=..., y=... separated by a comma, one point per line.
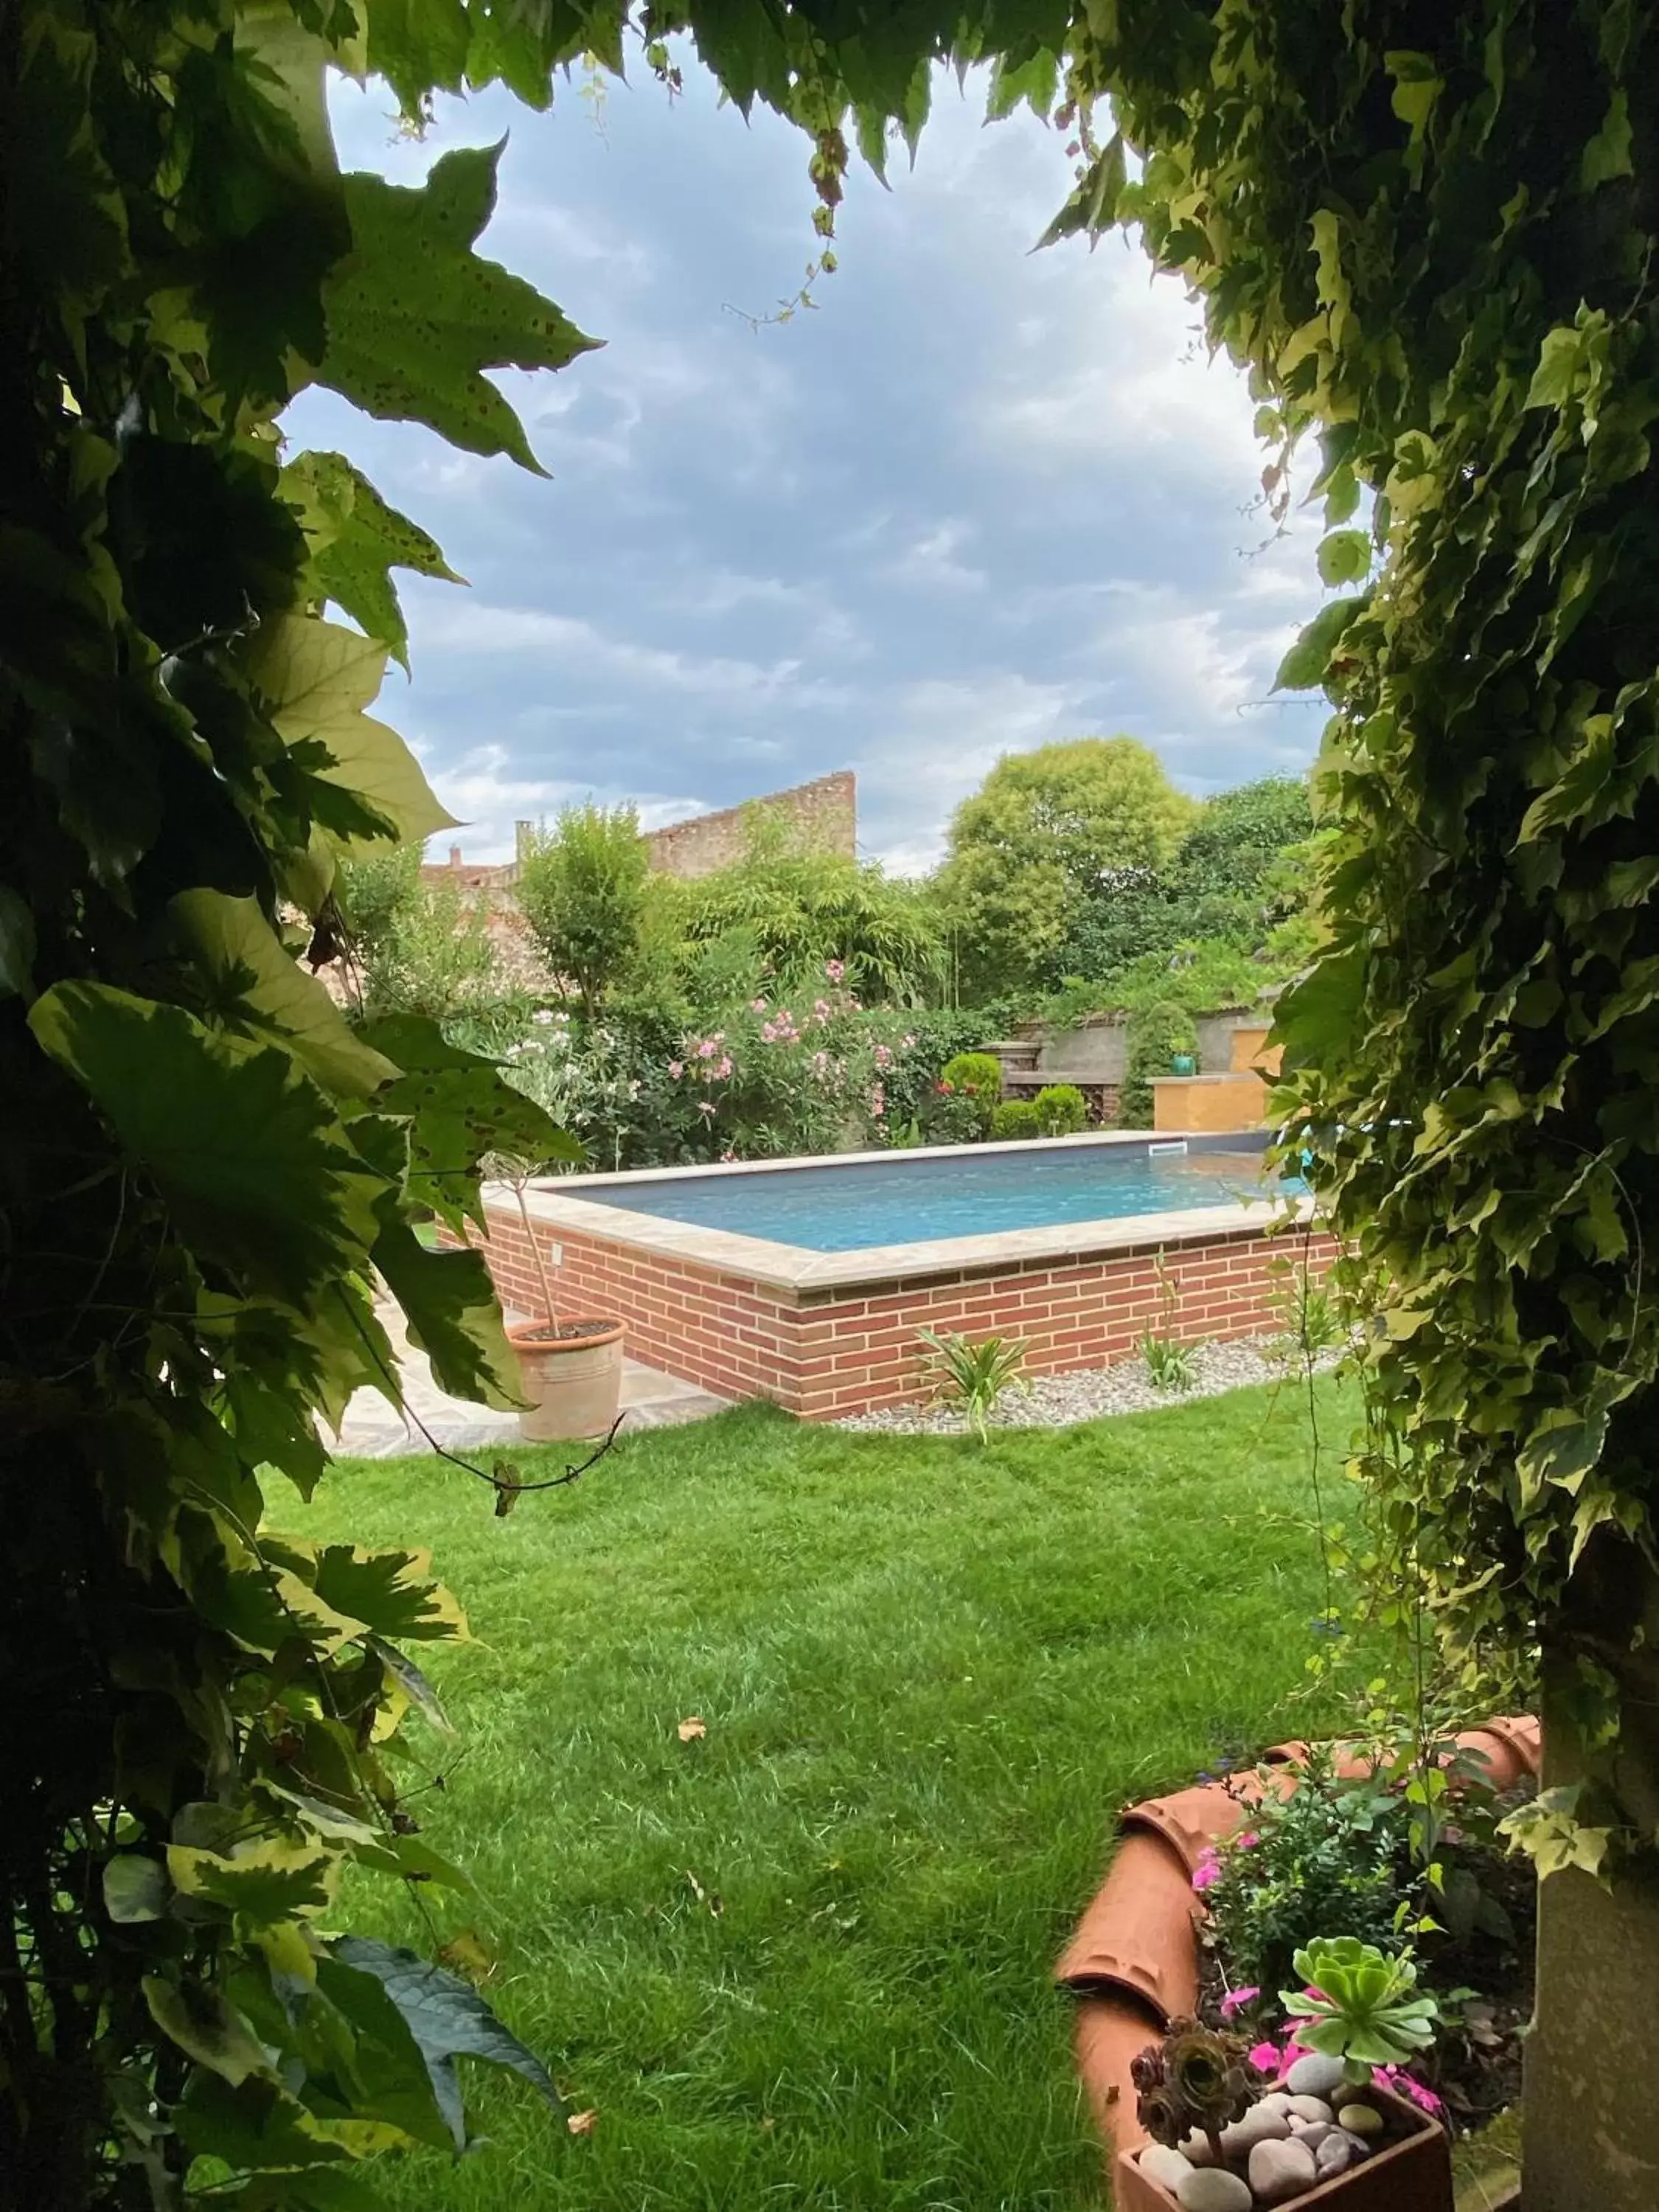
x=584, y=892
x=1044, y=836
x=1228, y=883
x=415, y=948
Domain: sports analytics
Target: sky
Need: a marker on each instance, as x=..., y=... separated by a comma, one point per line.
x=978, y=499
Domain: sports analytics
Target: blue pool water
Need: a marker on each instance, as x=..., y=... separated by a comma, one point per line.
x=832, y=1208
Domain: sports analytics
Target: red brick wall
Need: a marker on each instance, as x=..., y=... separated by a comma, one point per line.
x=825, y=1352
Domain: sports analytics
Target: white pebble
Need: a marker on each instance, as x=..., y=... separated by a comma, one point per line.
x=1212, y=2188
x=1315, y=2075
x=1163, y=2166
x=1281, y=2170
x=1308, y=2108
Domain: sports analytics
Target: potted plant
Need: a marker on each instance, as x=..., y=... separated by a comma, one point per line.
x=570, y=1366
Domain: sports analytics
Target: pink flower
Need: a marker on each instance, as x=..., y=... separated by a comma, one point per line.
x=706, y=1049
x=877, y=1101
x=834, y=969
x=1236, y=2000
x=757, y=1005
x=910, y=1041
x=820, y=1008
x=1265, y=2058
x=884, y=1057
x=1208, y=1869
x=705, y=1106
x=1247, y=1843
x=723, y=1070
x=820, y=1063
x=1410, y=2086
x=677, y=1068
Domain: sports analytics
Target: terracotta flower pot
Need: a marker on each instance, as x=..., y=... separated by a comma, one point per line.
x=1132, y=1963
x=1413, y=2174
x=572, y=1376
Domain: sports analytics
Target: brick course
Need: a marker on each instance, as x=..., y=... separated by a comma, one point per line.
x=821, y=1352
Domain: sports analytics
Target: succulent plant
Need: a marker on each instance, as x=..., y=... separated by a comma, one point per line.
x=1197, y=2078
x=1361, y=2005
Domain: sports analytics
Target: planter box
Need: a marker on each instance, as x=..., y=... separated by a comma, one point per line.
x=1411, y=2175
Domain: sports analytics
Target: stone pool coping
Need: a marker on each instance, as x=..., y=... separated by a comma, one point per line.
x=798, y=1268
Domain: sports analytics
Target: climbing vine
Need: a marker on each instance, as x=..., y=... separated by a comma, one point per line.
x=1429, y=232
x=1432, y=236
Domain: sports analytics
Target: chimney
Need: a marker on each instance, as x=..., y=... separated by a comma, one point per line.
x=523, y=833
x=455, y=858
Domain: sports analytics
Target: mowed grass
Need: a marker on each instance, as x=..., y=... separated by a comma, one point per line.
x=804, y=1961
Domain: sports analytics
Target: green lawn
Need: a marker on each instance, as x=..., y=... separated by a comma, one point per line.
x=804, y=1962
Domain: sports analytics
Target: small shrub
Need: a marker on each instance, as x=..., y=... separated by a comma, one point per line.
x=1310, y=1323
x=1155, y=1034
x=418, y=948
x=1329, y=1855
x=1169, y=1365
x=973, y=1375
x=978, y=1076
x=1060, y=1109
x=1017, y=1118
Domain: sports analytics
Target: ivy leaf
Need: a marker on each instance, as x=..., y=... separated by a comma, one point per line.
x=450, y=1305
x=1557, y=373
x=1607, y=154
x=135, y=1889
x=1093, y=206
x=1036, y=80
x=419, y=46
x=391, y=1593
x=415, y=317
x=255, y=2125
x=256, y=982
x=207, y=2028
x=356, y=540
x=315, y=679
x=1303, y=668
x=459, y=1108
x=1564, y=1446
x=394, y=2085
x=294, y=1211
x=448, y=2020
x=263, y=1883
x=414, y=1683
x=1344, y=557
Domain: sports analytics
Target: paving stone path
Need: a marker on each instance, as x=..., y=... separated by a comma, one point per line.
x=373, y=1429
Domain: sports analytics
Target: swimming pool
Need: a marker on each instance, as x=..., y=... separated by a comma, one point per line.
x=810, y=1282
x=845, y=1207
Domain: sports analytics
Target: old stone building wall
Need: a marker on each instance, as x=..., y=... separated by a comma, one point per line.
x=823, y=813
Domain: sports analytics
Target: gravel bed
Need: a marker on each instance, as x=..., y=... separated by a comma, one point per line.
x=1057, y=1401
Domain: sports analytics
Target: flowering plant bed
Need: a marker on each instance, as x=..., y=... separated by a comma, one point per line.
x=1340, y=2090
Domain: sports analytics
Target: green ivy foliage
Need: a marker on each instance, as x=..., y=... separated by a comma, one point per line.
x=204, y=1169
x=1429, y=231
x=1432, y=235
